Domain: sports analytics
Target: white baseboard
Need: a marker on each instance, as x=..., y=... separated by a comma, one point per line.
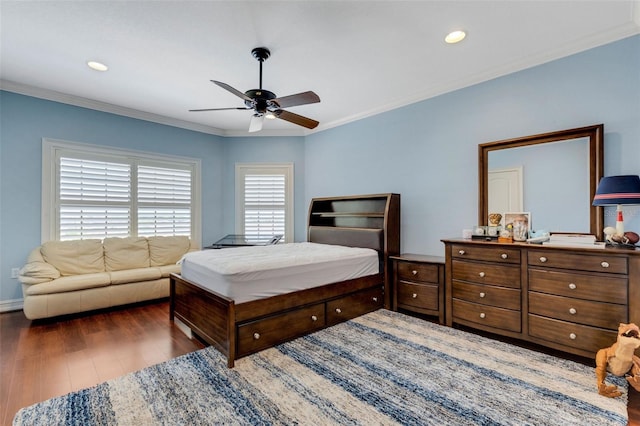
x=11, y=305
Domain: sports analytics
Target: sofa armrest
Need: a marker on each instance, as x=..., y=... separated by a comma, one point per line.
x=37, y=270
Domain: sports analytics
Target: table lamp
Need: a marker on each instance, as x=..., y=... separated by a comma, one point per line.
x=616, y=191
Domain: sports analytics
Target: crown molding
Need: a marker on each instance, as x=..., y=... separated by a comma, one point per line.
x=623, y=31
x=51, y=95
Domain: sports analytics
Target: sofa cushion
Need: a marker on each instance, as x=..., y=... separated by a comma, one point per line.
x=135, y=275
x=167, y=270
x=74, y=257
x=125, y=253
x=70, y=283
x=167, y=250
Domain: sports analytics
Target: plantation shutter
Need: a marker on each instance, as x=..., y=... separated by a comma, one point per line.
x=94, y=199
x=264, y=200
x=264, y=205
x=164, y=201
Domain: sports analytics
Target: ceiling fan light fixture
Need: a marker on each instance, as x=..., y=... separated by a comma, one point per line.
x=97, y=66
x=265, y=104
x=455, y=37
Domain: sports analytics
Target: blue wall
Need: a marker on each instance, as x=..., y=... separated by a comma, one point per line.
x=426, y=151
x=25, y=121
x=266, y=150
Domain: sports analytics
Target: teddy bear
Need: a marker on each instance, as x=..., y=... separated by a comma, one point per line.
x=620, y=360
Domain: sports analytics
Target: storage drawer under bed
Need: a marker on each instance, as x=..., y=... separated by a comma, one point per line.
x=264, y=333
x=354, y=305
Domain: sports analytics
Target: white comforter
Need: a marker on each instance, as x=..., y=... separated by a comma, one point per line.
x=249, y=273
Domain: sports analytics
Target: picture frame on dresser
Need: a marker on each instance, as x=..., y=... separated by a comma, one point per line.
x=518, y=224
x=513, y=217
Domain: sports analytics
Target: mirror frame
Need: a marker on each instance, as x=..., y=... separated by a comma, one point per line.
x=595, y=135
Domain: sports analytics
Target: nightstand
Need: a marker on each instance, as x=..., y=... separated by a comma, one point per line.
x=418, y=284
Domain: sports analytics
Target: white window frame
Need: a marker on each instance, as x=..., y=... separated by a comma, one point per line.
x=51, y=150
x=286, y=169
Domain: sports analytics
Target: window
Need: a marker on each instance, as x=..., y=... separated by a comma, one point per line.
x=264, y=200
x=93, y=192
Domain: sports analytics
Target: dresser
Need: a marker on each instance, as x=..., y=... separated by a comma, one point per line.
x=418, y=284
x=569, y=299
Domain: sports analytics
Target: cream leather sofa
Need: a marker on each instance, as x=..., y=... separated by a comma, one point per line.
x=64, y=277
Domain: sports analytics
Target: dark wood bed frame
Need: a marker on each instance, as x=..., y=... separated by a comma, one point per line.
x=237, y=330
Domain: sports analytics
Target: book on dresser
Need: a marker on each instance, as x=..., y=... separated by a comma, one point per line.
x=574, y=240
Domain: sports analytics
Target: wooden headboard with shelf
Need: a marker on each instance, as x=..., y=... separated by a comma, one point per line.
x=371, y=221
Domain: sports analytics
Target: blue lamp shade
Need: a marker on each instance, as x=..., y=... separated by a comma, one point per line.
x=614, y=190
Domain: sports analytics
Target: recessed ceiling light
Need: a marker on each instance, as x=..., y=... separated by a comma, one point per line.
x=455, y=36
x=98, y=66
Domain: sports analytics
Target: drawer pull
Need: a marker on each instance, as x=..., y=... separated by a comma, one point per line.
x=338, y=310
x=414, y=272
x=256, y=336
x=314, y=318
x=572, y=311
x=482, y=294
x=572, y=336
x=482, y=315
x=504, y=255
x=414, y=295
x=375, y=299
x=604, y=264
x=543, y=259
x=461, y=252
x=482, y=274
x=572, y=286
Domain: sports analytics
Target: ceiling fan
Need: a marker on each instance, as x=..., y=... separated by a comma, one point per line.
x=265, y=103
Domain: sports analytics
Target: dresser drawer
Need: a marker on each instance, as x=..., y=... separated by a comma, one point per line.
x=508, y=298
x=572, y=335
x=418, y=295
x=354, y=305
x=597, y=314
x=504, y=319
x=420, y=272
x=489, y=254
x=264, y=333
x=486, y=273
x=612, y=289
x=600, y=262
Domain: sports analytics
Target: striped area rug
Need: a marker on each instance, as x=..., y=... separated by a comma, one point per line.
x=383, y=368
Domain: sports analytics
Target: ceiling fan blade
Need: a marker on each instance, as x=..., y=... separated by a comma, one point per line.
x=297, y=99
x=256, y=123
x=236, y=92
x=217, y=109
x=296, y=119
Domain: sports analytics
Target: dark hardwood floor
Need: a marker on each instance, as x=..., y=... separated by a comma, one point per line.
x=44, y=359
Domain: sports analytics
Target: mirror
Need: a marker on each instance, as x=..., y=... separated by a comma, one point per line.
x=563, y=200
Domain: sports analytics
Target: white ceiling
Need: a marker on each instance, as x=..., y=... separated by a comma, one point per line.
x=360, y=57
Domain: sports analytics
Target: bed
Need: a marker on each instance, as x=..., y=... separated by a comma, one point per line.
x=238, y=324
